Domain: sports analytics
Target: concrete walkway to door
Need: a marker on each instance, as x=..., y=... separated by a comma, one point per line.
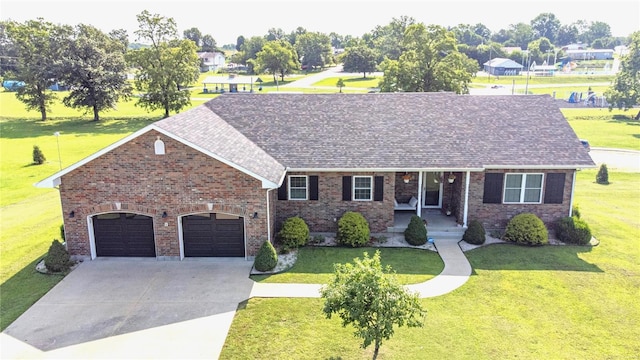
x=456, y=272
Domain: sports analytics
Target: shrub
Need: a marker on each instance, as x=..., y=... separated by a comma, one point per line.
x=475, y=233
x=57, y=259
x=294, y=233
x=575, y=211
x=317, y=239
x=573, y=230
x=353, y=229
x=526, y=229
x=603, y=175
x=38, y=156
x=267, y=258
x=416, y=232
x=62, y=232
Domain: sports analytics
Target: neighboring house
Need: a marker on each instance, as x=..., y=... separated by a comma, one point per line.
x=219, y=179
x=211, y=61
x=502, y=67
x=579, y=46
x=590, y=54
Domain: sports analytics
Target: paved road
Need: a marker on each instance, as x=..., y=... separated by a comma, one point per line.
x=617, y=159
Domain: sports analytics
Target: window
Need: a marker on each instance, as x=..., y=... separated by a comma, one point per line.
x=523, y=188
x=298, y=188
x=362, y=188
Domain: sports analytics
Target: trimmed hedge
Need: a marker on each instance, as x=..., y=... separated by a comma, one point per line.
x=294, y=233
x=573, y=230
x=353, y=230
x=416, y=233
x=267, y=258
x=526, y=229
x=57, y=259
x=475, y=233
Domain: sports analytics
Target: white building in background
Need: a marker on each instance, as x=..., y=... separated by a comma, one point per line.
x=211, y=61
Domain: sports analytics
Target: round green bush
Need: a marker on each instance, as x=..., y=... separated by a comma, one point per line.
x=267, y=258
x=294, y=233
x=475, y=233
x=526, y=229
x=573, y=230
x=416, y=233
x=57, y=259
x=353, y=229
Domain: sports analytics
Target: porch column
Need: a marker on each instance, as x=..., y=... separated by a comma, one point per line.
x=419, y=209
x=466, y=199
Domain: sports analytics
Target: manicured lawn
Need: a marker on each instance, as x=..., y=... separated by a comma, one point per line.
x=563, y=92
x=552, y=302
x=314, y=265
x=604, y=128
x=351, y=81
x=534, y=80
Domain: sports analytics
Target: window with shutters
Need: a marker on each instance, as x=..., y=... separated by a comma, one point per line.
x=523, y=188
x=362, y=188
x=298, y=187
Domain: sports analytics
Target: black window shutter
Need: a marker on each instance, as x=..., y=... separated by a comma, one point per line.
x=378, y=188
x=346, y=188
x=493, y=188
x=313, y=187
x=282, y=190
x=554, y=188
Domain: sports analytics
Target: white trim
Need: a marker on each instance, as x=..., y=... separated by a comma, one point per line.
x=536, y=167
x=391, y=170
x=465, y=215
x=306, y=187
x=573, y=186
x=268, y=217
x=423, y=190
x=92, y=237
x=523, y=188
x=54, y=180
x=181, y=237
x=419, y=207
x=353, y=187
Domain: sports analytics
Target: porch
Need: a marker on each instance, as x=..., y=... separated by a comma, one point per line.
x=438, y=224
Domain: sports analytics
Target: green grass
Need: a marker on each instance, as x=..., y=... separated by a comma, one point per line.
x=314, y=265
x=545, y=80
x=351, y=81
x=604, y=128
x=552, y=302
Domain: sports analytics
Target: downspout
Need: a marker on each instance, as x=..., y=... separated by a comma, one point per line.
x=268, y=217
x=573, y=186
x=466, y=199
x=419, y=210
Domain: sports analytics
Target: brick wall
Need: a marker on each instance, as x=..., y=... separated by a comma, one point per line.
x=132, y=178
x=321, y=215
x=404, y=192
x=496, y=216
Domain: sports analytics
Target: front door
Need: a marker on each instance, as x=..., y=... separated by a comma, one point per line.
x=432, y=190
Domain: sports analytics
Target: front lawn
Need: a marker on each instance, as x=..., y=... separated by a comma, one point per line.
x=314, y=265
x=351, y=81
x=604, y=128
x=551, y=302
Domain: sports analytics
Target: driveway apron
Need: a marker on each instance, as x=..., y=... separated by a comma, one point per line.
x=133, y=308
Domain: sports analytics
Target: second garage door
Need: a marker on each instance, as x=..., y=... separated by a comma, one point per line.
x=217, y=235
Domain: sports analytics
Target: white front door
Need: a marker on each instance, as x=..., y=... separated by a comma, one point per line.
x=432, y=190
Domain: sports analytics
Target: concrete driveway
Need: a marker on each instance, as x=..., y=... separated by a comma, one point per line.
x=133, y=308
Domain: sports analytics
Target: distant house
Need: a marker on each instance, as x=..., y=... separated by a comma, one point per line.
x=502, y=67
x=590, y=54
x=578, y=46
x=211, y=61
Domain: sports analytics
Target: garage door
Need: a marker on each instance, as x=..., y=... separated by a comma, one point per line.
x=216, y=235
x=124, y=234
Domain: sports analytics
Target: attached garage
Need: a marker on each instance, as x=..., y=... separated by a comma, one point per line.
x=124, y=234
x=213, y=235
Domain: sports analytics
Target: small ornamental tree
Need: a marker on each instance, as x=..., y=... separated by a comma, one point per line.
x=603, y=175
x=416, y=233
x=369, y=297
x=57, y=259
x=38, y=156
x=475, y=233
x=267, y=258
x=340, y=84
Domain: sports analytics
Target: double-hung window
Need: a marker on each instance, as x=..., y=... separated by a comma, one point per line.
x=362, y=188
x=523, y=188
x=298, y=187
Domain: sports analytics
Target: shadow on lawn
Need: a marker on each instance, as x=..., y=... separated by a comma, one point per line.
x=20, y=128
x=516, y=257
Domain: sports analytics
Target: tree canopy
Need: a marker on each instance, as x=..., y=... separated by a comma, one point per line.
x=314, y=49
x=359, y=59
x=277, y=57
x=625, y=91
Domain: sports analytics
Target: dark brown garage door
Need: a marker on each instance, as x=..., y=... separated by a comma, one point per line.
x=216, y=235
x=124, y=234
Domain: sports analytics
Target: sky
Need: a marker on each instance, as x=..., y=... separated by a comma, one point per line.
x=226, y=20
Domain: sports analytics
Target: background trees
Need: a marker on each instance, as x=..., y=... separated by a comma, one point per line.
x=359, y=59
x=314, y=49
x=625, y=91
x=276, y=57
x=166, y=67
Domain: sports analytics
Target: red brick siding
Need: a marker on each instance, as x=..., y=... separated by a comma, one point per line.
x=321, y=215
x=181, y=182
x=404, y=192
x=496, y=216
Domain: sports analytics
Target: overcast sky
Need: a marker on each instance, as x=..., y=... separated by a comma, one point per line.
x=226, y=20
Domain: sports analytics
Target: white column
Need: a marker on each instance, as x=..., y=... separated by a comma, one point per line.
x=573, y=186
x=466, y=199
x=419, y=211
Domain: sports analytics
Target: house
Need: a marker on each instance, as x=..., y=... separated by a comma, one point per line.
x=211, y=61
x=590, y=54
x=220, y=178
x=502, y=67
x=232, y=83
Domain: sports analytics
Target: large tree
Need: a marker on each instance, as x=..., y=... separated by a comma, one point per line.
x=95, y=70
x=369, y=297
x=388, y=39
x=430, y=63
x=250, y=47
x=38, y=45
x=194, y=35
x=277, y=57
x=624, y=93
x=359, y=59
x=208, y=44
x=546, y=25
x=166, y=67
x=314, y=49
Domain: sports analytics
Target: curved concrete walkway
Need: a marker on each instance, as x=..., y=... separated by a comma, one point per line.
x=456, y=272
